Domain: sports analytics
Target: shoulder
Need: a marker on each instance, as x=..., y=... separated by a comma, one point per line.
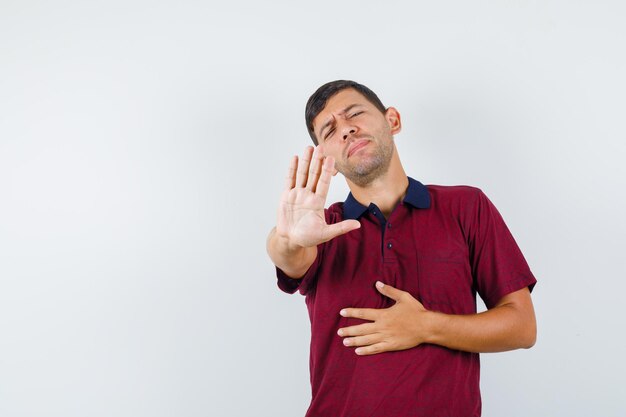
x=463, y=202
x=447, y=194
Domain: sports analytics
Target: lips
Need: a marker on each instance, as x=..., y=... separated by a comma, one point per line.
x=356, y=146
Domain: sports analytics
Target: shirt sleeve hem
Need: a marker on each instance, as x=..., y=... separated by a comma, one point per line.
x=291, y=285
x=509, y=288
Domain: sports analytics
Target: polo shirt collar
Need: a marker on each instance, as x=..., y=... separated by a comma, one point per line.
x=416, y=195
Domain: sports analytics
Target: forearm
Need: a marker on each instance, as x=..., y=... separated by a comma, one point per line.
x=505, y=327
x=293, y=260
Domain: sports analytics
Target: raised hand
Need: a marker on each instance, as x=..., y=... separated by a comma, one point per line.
x=301, y=211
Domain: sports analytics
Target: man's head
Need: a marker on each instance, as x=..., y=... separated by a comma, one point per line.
x=355, y=129
x=319, y=98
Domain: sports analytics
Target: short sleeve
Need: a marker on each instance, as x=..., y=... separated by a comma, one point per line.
x=304, y=284
x=498, y=265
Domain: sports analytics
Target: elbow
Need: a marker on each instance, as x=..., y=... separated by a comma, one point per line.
x=522, y=322
x=529, y=342
x=530, y=336
x=527, y=326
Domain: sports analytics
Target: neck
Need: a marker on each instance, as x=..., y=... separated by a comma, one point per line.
x=385, y=191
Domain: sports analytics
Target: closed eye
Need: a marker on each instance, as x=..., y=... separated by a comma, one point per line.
x=329, y=133
x=355, y=114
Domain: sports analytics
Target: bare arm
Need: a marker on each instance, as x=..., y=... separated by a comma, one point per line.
x=507, y=326
x=301, y=224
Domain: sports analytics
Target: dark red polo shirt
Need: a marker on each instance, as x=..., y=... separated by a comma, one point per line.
x=443, y=245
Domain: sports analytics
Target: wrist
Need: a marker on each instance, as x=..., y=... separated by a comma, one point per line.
x=435, y=323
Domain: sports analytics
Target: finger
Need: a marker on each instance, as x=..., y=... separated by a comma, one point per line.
x=358, y=330
x=361, y=313
x=389, y=291
x=366, y=340
x=338, y=229
x=303, y=167
x=379, y=347
x=290, y=179
x=314, y=170
x=327, y=173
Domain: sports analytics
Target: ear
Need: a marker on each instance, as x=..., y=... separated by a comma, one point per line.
x=393, y=118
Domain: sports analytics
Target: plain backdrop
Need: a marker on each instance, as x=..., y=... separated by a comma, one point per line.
x=143, y=146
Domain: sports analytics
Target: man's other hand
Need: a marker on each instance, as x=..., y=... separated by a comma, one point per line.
x=402, y=326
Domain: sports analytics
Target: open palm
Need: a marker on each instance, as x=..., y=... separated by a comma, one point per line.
x=301, y=210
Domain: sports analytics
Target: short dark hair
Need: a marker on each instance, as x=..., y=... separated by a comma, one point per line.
x=318, y=100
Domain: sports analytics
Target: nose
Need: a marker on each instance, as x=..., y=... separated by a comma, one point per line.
x=347, y=130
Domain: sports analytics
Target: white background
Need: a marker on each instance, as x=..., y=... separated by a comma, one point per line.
x=143, y=147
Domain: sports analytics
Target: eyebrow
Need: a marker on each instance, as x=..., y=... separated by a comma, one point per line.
x=330, y=122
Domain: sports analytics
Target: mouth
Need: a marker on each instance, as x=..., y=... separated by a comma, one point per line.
x=357, y=146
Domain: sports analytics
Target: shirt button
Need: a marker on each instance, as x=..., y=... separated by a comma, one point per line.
x=389, y=245
x=388, y=225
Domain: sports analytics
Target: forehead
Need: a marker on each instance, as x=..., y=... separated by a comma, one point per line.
x=339, y=102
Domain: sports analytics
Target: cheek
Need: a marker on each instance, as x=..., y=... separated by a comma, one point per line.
x=384, y=132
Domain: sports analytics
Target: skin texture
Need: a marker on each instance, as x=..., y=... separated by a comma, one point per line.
x=356, y=139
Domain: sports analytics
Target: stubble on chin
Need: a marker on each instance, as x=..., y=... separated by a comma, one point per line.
x=363, y=173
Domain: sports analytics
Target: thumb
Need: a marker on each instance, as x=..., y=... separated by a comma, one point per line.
x=389, y=291
x=341, y=228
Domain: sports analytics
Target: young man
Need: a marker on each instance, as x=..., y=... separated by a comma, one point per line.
x=391, y=274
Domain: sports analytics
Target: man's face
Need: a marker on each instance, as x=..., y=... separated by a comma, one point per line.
x=357, y=135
